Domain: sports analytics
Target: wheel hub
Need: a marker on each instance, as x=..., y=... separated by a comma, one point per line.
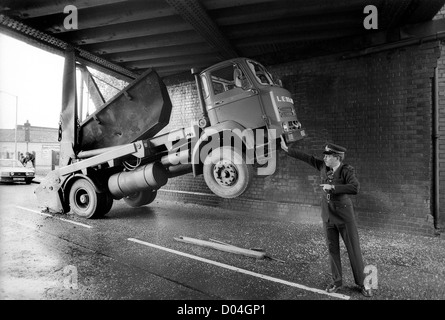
x=83, y=198
x=225, y=173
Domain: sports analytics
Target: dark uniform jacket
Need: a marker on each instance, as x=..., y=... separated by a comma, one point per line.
x=336, y=206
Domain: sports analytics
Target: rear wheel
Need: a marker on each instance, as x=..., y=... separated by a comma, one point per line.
x=226, y=172
x=85, y=201
x=106, y=203
x=141, y=198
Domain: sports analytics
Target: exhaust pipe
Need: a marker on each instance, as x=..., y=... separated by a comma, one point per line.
x=151, y=176
x=179, y=170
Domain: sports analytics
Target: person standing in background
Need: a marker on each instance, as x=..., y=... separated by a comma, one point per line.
x=30, y=157
x=22, y=158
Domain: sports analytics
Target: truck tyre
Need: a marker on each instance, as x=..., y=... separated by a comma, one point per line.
x=226, y=172
x=84, y=200
x=106, y=203
x=141, y=198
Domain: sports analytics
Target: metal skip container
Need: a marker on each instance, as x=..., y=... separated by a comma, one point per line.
x=139, y=111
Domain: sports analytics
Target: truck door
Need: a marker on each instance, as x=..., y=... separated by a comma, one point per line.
x=233, y=97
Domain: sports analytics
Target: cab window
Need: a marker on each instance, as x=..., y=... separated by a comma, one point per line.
x=261, y=73
x=228, y=78
x=205, y=86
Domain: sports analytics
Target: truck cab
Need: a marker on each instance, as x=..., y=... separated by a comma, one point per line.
x=243, y=90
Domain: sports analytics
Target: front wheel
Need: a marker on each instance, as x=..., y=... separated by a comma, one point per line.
x=140, y=198
x=226, y=172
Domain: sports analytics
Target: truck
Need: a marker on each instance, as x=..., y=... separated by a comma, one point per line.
x=120, y=151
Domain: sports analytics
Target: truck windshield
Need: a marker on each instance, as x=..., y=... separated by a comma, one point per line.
x=262, y=75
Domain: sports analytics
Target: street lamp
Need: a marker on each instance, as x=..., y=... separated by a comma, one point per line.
x=16, y=113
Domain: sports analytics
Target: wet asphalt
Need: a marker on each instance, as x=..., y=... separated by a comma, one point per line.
x=132, y=254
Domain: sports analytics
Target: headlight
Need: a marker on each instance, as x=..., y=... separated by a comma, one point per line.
x=291, y=126
x=6, y=174
x=285, y=127
x=30, y=173
x=296, y=124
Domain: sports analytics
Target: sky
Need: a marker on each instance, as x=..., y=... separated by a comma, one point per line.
x=35, y=77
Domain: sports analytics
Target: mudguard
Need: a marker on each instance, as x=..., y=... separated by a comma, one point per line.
x=216, y=130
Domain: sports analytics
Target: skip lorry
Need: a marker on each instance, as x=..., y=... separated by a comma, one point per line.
x=120, y=151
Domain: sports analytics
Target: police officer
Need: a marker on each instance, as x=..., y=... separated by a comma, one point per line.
x=338, y=180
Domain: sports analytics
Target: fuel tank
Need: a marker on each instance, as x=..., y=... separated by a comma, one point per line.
x=139, y=111
x=151, y=176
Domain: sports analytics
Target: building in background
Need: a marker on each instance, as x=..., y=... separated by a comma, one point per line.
x=40, y=140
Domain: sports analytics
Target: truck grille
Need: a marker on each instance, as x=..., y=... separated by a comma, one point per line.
x=286, y=111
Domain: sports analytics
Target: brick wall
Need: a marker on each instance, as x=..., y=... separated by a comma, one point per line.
x=36, y=134
x=378, y=106
x=441, y=71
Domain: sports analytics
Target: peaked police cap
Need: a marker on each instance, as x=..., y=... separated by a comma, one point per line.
x=331, y=148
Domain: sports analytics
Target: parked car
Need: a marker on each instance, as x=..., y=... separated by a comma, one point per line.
x=12, y=170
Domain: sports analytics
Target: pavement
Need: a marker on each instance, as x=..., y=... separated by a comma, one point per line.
x=400, y=266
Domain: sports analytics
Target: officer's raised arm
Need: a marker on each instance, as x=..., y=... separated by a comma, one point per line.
x=300, y=155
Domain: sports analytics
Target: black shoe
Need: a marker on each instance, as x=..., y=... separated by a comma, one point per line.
x=366, y=292
x=333, y=288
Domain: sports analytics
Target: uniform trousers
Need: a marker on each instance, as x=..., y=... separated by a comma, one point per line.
x=349, y=234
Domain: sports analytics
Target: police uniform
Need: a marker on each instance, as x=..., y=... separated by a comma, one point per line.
x=337, y=212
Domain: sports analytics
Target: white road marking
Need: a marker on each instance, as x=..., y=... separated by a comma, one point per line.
x=254, y=274
x=189, y=192
x=48, y=215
